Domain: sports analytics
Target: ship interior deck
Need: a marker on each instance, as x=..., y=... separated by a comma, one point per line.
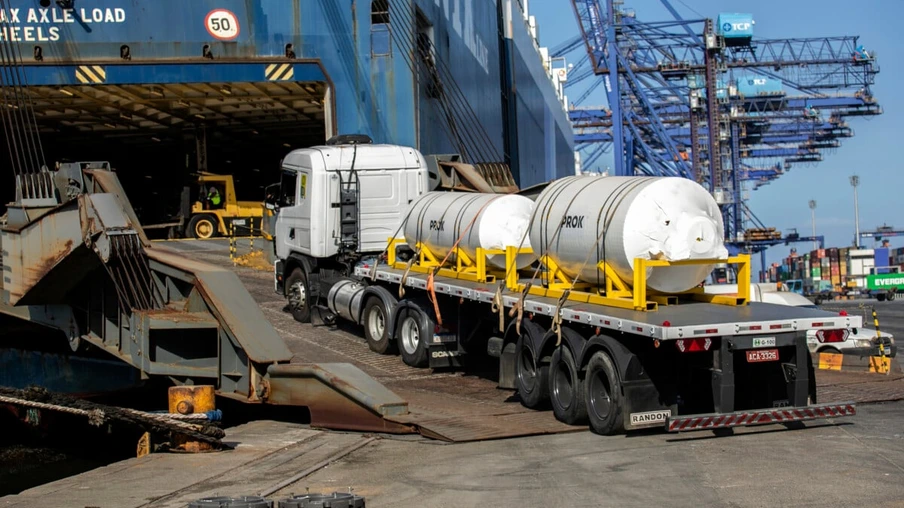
x=153, y=132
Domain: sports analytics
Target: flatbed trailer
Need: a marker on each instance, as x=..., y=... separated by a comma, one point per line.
x=632, y=360
x=606, y=350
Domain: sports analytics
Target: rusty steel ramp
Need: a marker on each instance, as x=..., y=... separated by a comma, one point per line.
x=77, y=261
x=453, y=406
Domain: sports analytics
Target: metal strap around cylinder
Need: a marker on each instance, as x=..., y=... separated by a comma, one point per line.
x=620, y=193
x=430, y=287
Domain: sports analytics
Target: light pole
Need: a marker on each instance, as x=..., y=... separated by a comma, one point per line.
x=813, y=216
x=855, y=181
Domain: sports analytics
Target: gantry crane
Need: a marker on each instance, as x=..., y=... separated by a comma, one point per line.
x=704, y=99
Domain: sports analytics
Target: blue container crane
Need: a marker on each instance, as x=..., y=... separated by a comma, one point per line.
x=702, y=99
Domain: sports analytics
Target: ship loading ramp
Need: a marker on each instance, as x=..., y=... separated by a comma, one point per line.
x=159, y=122
x=75, y=259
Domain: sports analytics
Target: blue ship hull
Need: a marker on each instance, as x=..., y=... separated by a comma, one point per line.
x=353, y=49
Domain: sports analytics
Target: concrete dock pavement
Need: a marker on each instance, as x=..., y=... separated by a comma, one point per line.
x=845, y=462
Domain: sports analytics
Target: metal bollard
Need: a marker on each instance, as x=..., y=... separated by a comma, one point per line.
x=232, y=249
x=878, y=334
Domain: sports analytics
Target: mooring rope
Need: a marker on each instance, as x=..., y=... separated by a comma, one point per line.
x=98, y=414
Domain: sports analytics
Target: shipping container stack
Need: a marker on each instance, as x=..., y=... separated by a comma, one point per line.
x=859, y=264
x=816, y=264
x=882, y=260
x=833, y=255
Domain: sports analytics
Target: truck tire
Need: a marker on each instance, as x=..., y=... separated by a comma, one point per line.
x=414, y=330
x=297, y=295
x=880, y=297
x=531, y=377
x=566, y=388
x=202, y=227
x=375, y=319
x=603, y=396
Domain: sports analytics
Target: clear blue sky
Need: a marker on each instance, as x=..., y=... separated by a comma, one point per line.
x=872, y=152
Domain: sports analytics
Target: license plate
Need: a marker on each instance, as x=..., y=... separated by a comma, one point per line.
x=762, y=355
x=764, y=342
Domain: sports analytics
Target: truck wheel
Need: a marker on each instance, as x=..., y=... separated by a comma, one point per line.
x=297, y=295
x=202, y=227
x=603, y=395
x=531, y=378
x=566, y=388
x=414, y=332
x=376, y=332
x=891, y=296
x=880, y=297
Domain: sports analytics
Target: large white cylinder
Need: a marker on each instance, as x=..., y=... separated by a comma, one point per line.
x=582, y=220
x=438, y=219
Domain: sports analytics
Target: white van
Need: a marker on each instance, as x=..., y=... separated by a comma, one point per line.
x=861, y=342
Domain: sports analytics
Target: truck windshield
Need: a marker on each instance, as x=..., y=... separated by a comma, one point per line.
x=287, y=184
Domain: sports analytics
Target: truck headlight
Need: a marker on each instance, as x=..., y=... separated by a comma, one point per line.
x=863, y=343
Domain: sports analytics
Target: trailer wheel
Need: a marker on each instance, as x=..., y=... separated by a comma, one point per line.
x=375, y=319
x=880, y=297
x=531, y=377
x=297, y=295
x=603, y=395
x=202, y=227
x=415, y=330
x=566, y=388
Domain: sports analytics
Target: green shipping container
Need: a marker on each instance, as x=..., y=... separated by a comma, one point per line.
x=815, y=272
x=885, y=281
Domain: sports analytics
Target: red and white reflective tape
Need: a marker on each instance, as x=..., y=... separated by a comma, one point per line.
x=760, y=417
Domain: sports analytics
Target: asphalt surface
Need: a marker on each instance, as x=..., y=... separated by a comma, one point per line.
x=890, y=314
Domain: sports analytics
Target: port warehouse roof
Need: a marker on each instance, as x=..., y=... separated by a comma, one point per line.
x=143, y=74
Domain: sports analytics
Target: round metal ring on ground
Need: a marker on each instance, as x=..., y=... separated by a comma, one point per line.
x=334, y=500
x=231, y=502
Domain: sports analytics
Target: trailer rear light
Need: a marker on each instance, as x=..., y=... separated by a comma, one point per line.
x=839, y=335
x=693, y=345
x=843, y=313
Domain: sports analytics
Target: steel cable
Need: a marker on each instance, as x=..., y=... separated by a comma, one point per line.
x=449, y=110
x=459, y=104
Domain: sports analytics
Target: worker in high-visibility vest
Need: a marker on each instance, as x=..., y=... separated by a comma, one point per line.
x=213, y=197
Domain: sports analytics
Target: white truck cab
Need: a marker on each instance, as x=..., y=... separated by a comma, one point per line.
x=320, y=211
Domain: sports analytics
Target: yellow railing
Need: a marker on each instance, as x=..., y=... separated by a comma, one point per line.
x=556, y=284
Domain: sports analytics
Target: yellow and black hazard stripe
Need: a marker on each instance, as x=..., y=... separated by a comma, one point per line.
x=90, y=74
x=279, y=72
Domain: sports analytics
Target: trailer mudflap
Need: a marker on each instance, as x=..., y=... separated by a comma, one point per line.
x=759, y=417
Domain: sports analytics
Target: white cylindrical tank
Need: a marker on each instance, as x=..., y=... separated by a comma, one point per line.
x=438, y=219
x=582, y=220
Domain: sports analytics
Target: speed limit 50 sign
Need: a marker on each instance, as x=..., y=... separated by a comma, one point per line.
x=222, y=24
